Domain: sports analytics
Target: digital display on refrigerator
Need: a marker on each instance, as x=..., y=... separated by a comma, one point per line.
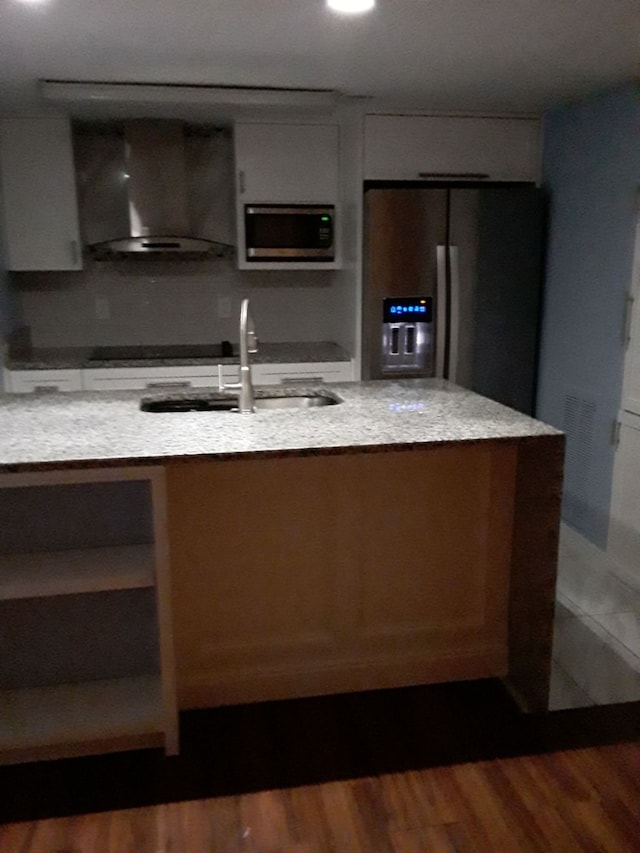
x=407, y=309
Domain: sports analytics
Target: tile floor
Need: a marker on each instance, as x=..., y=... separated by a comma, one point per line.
x=596, y=643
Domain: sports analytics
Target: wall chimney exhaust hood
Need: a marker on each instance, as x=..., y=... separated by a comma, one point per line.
x=155, y=180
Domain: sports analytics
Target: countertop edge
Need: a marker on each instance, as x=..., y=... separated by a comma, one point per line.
x=314, y=352
x=139, y=461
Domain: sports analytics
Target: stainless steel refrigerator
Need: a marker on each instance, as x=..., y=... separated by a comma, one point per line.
x=452, y=286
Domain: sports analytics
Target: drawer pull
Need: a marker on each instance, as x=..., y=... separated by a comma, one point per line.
x=455, y=176
x=169, y=384
x=301, y=380
x=43, y=389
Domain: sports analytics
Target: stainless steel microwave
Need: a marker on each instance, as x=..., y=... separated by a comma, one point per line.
x=289, y=232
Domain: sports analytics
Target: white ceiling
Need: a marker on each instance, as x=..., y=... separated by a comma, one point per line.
x=490, y=55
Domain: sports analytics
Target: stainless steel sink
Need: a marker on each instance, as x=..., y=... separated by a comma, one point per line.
x=226, y=404
x=195, y=404
x=302, y=401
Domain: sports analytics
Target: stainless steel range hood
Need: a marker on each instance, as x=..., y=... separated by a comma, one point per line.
x=156, y=183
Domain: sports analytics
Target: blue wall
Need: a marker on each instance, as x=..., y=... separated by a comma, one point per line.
x=591, y=170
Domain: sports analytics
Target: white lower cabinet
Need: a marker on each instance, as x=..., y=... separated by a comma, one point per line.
x=171, y=378
x=86, y=647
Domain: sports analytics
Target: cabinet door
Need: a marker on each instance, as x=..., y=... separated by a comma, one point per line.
x=287, y=163
x=38, y=183
x=624, y=528
x=631, y=383
x=432, y=537
x=451, y=147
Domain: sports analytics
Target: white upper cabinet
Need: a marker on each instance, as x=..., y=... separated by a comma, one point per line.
x=40, y=212
x=409, y=148
x=279, y=163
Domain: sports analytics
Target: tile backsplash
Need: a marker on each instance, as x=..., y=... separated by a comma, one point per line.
x=166, y=301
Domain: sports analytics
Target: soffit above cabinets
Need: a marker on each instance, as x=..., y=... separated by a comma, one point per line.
x=221, y=105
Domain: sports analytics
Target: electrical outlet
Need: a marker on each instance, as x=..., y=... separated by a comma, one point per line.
x=224, y=307
x=103, y=309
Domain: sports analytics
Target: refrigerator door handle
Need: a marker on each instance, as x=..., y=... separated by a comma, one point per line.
x=454, y=330
x=441, y=309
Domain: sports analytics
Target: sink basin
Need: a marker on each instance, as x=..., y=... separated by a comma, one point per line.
x=300, y=401
x=188, y=405
x=225, y=404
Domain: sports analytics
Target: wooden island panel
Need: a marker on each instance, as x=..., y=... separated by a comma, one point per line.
x=534, y=566
x=296, y=576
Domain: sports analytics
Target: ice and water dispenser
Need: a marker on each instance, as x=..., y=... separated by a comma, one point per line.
x=407, y=335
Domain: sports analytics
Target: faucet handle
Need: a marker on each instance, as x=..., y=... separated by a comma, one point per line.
x=252, y=342
x=226, y=386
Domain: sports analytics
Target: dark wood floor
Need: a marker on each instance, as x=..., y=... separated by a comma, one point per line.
x=582, y=800
x=447, y=767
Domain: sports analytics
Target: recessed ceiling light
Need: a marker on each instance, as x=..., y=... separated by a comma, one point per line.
x=351, y=7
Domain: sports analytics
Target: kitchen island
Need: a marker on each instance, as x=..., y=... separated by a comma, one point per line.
x=57, y=430
x=406, y=535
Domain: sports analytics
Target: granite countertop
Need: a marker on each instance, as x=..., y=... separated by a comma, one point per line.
x=86, y=429
x=77, y=358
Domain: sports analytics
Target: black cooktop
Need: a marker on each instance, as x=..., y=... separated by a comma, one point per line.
x=162, y=351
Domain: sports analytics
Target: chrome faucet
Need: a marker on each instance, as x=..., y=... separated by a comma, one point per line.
x=248, y=344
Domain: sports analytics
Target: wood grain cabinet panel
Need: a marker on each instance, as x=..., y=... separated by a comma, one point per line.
x=256, y=556
x=311, y=575
x=434, y=554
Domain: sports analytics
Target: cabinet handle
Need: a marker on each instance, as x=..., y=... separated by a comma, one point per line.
x=615, y=433
x=41, y=389
x=241, y=181
x=301, y=380
x=455, y=176
x=628, y=314
x=74, y=252
x=169, y=384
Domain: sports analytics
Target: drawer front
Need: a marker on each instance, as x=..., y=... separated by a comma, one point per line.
x=305, y=373
x=150, y=378
x=35, y=381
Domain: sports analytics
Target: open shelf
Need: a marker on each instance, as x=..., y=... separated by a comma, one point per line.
x=66, y=719
x=49, y=573
x=87, y=665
